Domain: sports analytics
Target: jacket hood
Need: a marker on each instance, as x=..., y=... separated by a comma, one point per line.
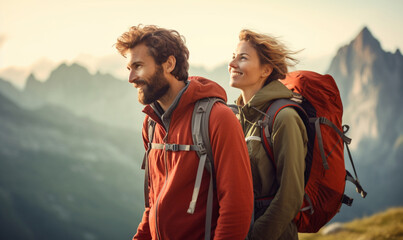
x=273, y=90
x=200, y=87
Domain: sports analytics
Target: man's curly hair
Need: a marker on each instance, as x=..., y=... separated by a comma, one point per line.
x=161, y=44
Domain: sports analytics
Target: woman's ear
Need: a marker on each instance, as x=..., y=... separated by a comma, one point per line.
x=267, y=70
x=169, y=64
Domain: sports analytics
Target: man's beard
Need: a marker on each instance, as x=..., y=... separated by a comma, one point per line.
x=153, y=90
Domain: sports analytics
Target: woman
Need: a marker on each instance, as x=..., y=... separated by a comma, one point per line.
x=258, y=62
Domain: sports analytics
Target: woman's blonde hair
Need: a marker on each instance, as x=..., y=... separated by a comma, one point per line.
x=270, y=51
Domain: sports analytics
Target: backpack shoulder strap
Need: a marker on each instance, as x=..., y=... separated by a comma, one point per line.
x=201, y=138
x=269, y=117
x=150, y=130
x=234, y=108
x=200, y=126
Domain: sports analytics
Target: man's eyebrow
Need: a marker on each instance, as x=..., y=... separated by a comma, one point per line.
x=131, y=64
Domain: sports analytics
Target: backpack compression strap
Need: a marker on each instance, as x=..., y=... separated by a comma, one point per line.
x=347, y=141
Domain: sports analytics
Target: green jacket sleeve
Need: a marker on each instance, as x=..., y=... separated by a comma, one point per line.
x=289, y=139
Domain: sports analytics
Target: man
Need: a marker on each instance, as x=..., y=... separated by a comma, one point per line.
x=158, y=66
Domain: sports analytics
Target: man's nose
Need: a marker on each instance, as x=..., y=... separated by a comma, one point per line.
x=133, y=76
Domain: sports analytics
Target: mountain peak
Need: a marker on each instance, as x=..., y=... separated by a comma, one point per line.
x=67, y=73
x=365, y=31
x=32, y=82
x=72, y=67
x=31, y=77
x=365, y=40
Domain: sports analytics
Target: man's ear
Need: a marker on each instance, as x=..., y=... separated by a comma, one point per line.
x=267, y=70
x=169, y=64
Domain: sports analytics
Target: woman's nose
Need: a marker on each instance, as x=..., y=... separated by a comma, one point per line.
x=232, y=64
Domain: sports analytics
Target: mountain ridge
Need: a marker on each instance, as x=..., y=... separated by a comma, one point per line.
x=98, y=96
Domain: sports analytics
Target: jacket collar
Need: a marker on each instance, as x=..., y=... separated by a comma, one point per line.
x=155, y=111
x=261, y=100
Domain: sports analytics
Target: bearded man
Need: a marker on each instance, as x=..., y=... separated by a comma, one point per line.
x=158, y=68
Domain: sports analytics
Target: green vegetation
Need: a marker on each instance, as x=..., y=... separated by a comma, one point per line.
x=386, y=225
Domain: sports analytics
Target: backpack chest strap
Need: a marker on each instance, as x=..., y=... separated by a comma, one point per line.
x=173, y=147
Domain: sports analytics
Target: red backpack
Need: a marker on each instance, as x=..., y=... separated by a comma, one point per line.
x=321, y=109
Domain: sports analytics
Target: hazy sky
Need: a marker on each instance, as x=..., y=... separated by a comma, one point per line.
x=48, y=32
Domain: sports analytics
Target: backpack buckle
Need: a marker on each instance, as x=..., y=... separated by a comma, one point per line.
x=202, y=149
x=172, y=147
x=263, y=123
x=175, y=147
x=347, y=200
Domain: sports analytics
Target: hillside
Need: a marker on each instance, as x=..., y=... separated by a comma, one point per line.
x=66, y=177
x=386, y=225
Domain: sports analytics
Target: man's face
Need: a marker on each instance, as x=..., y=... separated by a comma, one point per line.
x=146, y=75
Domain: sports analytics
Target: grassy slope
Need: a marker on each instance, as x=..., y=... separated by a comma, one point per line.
x=381, y=226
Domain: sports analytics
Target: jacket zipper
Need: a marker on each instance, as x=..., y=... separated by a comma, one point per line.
x=162, y=190
x=241, y=115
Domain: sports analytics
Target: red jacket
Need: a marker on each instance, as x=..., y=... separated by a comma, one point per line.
x=171, y=183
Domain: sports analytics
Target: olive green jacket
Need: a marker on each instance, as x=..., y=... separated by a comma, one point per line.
x=285, y=181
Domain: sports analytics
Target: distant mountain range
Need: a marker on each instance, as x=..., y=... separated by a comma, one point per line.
x=101, y=97
x=71, y=148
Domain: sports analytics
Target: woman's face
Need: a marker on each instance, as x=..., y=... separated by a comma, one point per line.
x=246, y=72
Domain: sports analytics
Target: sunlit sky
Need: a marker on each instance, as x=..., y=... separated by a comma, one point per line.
x=47, y=32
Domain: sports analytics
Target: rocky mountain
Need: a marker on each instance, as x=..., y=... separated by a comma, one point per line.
x=101, y=97
x=66, y=177
x=371, y=81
